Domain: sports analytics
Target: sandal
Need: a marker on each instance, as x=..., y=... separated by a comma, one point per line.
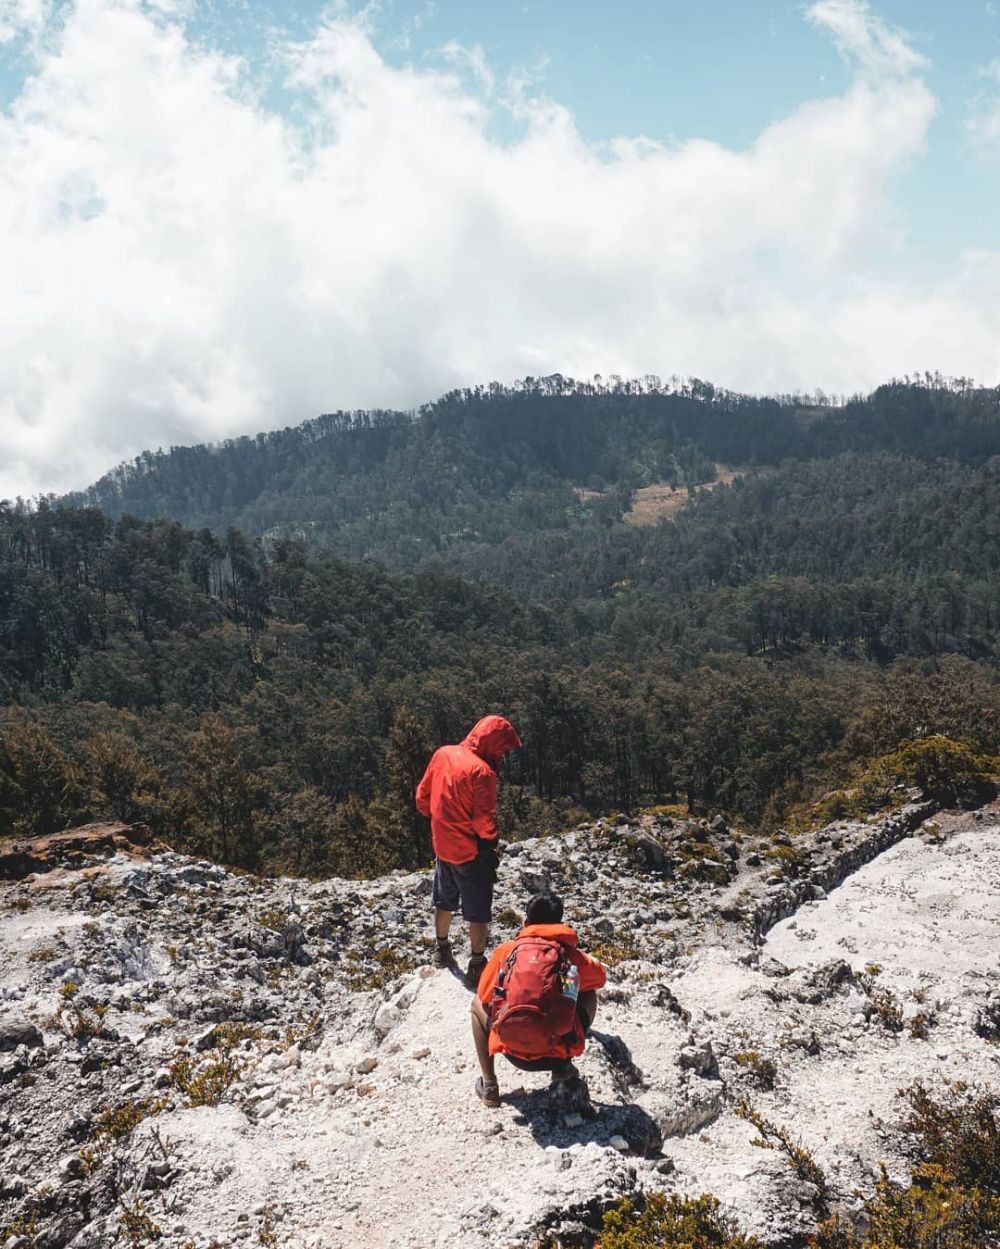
x=488, y=1094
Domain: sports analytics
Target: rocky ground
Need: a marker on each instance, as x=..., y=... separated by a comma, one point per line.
x=199, y=1058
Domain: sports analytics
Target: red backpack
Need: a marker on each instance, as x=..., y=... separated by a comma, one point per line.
x=531, y=1015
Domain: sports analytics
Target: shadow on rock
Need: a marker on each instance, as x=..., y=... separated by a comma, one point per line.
x=551, y=1125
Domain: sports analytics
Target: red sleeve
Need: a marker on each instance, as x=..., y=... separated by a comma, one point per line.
x=423, y=795
x=488, y=980
x=484, y=804
x=593, y=974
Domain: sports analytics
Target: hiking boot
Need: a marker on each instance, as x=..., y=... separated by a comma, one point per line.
x=442, y=956
x=570, y=1094
x=488, y=1094
x=477, y=965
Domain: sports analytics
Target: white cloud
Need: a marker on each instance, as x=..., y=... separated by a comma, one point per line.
x=21, y=17
x=864, y=37
x=982, y=126
x=180, y=265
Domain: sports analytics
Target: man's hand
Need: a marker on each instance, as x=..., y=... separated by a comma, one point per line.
x=488, y=853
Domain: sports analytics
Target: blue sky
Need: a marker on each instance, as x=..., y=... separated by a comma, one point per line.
x=724, y=69
x=224, y=215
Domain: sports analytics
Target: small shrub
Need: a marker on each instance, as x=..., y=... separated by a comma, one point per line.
x=788, y=858
x=44, y=954
x=295, y=1034
x=91, y=1158
x=620, y=947
x=389, y=966
x=24, y=1225
x=987, y=1022
x=763, y=1071
x=117, y=1122
x=886, y=1007
x=68, y=990
x=672, y=1223
x=87, y=1024
x=137, y=1225
x=205, y=1084
x=228, y=1036
x=919, y=1025
x=267, y=1234
x=804, y=1165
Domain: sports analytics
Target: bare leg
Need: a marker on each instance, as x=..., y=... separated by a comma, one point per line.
x=478, y=936
x=588, y=1001
x=587, y=1005
x=442, y=924
x=480, y=1037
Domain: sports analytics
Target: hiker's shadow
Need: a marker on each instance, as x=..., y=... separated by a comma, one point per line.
x=556, y=1125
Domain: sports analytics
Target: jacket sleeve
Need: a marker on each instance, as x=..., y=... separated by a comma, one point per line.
x=484, y=804
x=423, y=795
x=592, y=973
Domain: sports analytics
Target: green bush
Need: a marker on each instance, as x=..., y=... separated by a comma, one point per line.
x=953, y=1198
x=941, y=767
x=672, y=1223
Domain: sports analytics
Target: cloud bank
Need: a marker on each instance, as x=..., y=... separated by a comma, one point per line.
x=180, y=264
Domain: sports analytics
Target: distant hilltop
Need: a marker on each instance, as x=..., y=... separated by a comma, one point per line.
x=362, y=483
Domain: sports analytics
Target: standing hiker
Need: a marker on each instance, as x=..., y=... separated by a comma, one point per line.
x=536, y=1001
x=459, y=793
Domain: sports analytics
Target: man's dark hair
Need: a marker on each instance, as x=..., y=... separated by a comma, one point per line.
x=544, y=908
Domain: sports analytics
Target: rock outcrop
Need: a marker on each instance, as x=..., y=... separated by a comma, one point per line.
x=207, y=1058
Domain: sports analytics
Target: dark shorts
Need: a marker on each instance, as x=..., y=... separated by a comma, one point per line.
x=558, y=1066
x=468, y=884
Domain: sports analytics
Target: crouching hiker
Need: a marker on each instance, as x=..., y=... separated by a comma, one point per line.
x=535, y=1003
x=459, y=793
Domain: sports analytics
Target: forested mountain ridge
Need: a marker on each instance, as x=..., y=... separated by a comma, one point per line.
x=479, y=466
x=272, y=704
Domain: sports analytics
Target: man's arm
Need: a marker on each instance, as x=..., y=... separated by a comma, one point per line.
x=484, y=804
x=593, y=975
x=423, y=794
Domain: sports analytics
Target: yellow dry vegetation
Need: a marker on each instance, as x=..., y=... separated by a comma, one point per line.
x=654, y=502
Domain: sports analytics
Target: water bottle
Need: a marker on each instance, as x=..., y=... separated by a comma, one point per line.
x=571, y=987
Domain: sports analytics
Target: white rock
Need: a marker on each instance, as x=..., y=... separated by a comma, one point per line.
x=386, y=1019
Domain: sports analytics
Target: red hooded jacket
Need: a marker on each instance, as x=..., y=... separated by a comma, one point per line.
x=459, y=789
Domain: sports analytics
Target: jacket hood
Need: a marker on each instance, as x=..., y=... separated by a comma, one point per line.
x=555, y=932
x=492, y=737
